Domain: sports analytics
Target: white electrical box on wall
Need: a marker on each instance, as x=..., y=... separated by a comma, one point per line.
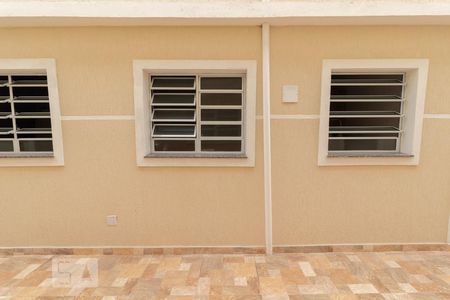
x=290, y=93
x=111, y=220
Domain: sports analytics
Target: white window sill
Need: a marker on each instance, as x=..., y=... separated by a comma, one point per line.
x=368, y=159
x=361, y=154
x=25, y=155
x=196, y=155
x=170, y=160
x=31, y=160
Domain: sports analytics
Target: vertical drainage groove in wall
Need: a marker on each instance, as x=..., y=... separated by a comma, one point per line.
x=267, y=142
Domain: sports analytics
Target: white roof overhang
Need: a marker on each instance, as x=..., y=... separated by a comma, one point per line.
x=222, y=12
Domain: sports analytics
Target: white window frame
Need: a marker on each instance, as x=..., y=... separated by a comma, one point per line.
x=416, y=71
x=38, y=66
x=141, y=71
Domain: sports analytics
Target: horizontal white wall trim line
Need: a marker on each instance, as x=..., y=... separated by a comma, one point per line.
x=98, y=118
x=290, y=117
x=295, y=117
x=436, y=116
x=258, y=117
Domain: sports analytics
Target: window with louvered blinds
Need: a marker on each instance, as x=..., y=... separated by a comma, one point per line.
x=366, y=112
x=197, y=114
x=25, y=124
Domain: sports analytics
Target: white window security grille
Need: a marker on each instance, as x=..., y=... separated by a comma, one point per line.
x=197, y=114
x=366, y=113
x=25, y=122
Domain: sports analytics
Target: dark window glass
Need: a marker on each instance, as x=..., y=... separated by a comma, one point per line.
x=178, y=145
x=32, y=108
x=6, y=123
x=6, y=146
x=5, y=108
x=221, y=130
x=389, y=122
x=173, y=99
x=221, y=115
x=221, y=83
x=4, y=92
x=29, y=123
x=29, y=79
x=3, y=80
x=174, y=130
x=36, y=146
x=33, y=135
x=173, y=114
x=366, y=106
x=367, y=78
x=381, y=134
x=362, y=145
x=348, y=91
x=221, y=99
x=173, y=82
x=21, y=91
x=221, y=146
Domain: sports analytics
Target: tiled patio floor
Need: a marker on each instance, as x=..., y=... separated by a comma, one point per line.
x=365, y=275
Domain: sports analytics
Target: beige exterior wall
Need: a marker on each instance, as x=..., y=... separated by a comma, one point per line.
x=66, y=206
x=164, y=206
x=356, y=204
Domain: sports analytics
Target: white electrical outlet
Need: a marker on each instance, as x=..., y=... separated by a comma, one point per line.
x=111, y=220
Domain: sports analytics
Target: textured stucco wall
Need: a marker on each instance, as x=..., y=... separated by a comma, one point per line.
x=66, y=206
x=156, y=206
x=356, y=204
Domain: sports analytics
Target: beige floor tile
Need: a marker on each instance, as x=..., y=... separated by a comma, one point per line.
x=306, y=268
x=26, y=271
x=203, y=286
x=120, y=282
x=314, y=289
x=240, y=281
x=316, y=276
x=407, y=288
x=392, y=264
x=271, y=285
x=242, y=269
x=364, y=288
x=274, y=272
x=183, y=291
x=397, y=296
x=354, y=258
x=276, y=297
